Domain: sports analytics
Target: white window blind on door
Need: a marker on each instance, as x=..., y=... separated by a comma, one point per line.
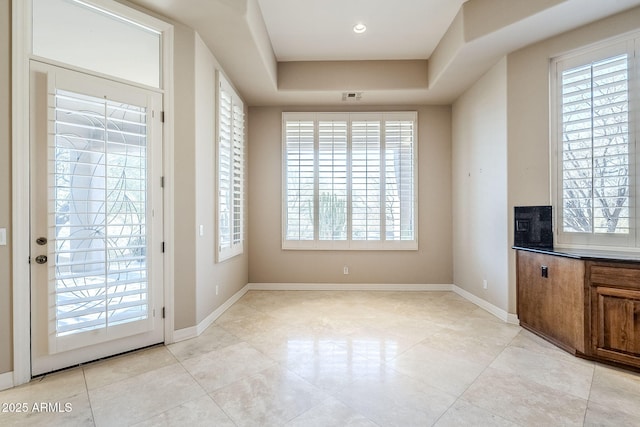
x=231, y=148
x=98, y=184
x=349, y=181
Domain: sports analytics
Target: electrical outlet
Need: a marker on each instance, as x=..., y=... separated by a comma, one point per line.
x=345, y=270
x=484, y=284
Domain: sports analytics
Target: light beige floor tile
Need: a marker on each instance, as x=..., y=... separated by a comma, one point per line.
x=109, y=371
x=269, y=398
x=71, y=411
x=442, y=369
x=281, y=342
x=333, y=359
x=238, y=311
x=616, y=389
x=49, y=388
x=486, y=328
x=329, y=366
x=415, y=329
x=245, y=325
x=329, y=327
x=390, y=398
x=202, y=412
x=463, y=344
x=524, y=402
x=144, y=396
x=465, y=414
x=219, y=368
x=378, y=344
x=606, y=416
x=213, y=338
x=332, y=412
x=565, y=376
x=532, y=342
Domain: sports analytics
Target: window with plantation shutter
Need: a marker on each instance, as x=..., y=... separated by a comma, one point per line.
x=231, y=148
x=349, y=181
x=595, y=144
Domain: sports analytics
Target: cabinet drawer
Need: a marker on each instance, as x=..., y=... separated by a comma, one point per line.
x=616, y=276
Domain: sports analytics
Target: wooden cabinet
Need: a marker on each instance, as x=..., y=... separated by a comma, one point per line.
x=551, y=298
x=586, y=304
x=615, y=312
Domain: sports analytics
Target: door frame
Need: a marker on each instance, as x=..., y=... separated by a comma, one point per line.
x=21, y=30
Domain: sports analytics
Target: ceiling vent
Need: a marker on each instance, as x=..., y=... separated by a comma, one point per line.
x=351, y=96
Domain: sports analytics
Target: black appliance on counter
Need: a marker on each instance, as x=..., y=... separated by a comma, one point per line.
x=533, y=227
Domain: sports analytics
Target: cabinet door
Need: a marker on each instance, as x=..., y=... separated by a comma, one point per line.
x=551, y=298
x=617, y=324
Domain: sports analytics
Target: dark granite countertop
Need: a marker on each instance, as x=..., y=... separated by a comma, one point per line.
x=586, y=254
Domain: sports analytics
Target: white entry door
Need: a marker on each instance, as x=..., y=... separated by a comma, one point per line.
x=96, y=218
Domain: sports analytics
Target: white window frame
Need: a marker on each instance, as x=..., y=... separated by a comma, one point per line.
x=230, y=240
x=629, y=44
x=348, y=243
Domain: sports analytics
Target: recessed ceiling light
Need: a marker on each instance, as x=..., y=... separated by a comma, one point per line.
x=359, y=28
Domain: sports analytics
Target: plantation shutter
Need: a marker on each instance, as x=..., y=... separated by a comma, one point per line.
x=238, y=173
x=366, y=180
x=231, y=148
x=349, y=181
x=399, y=192
x=300, y=176
x=98, y=182
x=224, y=172
x=332, y=179
x=595, y=147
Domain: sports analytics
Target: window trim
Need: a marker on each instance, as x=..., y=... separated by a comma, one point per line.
x=236, y=246
x=349, y=244
x=630, y=44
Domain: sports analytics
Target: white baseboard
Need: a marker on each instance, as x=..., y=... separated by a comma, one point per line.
x=185, y=333
x=6, y=380
x=347, y=287
x=194, y=331
x=496, y=311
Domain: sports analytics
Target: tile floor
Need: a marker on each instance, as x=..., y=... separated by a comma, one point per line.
x=340, y=359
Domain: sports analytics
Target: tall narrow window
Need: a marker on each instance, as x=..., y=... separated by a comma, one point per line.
x=349, y=181
x=596, y=146
x=231, y=148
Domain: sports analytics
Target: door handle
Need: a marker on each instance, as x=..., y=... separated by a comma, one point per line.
x=41, y=259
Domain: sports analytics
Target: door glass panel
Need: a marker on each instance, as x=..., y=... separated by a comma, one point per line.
x=98, y=183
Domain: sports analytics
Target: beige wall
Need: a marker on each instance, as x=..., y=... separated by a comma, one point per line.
x=185, y=178
x=528, y=116
x=6, y=340
x=196, y=272
x=431, y=264
x=479, y=171
x=231, y=275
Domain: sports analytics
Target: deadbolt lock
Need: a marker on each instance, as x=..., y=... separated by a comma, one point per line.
x=41, y=241
x=41, y=259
